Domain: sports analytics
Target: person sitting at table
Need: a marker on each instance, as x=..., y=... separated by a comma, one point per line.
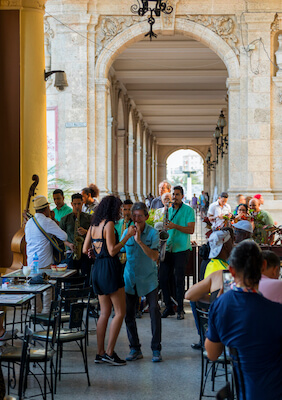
x=245, y=320
x=270, y=285
x=36, y=242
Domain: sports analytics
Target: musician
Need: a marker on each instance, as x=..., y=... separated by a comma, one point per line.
x=62, y=208
x=164, y=187
x=180, y=225
x=160, y=212
x=89, y=202
x=76, y=224
x=36, y=242
x=126, y=221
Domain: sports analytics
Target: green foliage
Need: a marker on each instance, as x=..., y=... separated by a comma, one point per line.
x=150, y=220
x=58, y=183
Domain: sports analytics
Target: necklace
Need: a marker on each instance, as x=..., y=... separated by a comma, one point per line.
x=244, y=289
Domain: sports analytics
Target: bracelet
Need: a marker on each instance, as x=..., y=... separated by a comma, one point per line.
x=122, y=243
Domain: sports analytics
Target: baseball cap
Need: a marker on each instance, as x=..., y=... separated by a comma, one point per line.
x=216, y=241
x=244, y=226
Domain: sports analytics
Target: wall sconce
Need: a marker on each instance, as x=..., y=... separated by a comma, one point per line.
x=221, y=139
x=154, y=7
x=60, y=79
x=211, y=164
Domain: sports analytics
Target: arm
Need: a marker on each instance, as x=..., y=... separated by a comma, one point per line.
x=87, y=242
x=212, y=283
x=189, y=229
x=113, y=247
x=53, y=229
x=214, y=349
x=151, y=253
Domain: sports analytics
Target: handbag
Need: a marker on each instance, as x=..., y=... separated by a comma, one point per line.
x=57, y=244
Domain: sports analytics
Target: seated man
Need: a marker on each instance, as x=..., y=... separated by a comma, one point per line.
x=76, y=225
x=62, y=208
x=266, y=217
x=243, y=319
x=221, y=243
x=242, y=230
x=218, y=210
x=36, y=242
x=270, y=285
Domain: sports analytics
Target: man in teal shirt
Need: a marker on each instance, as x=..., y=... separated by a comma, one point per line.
x=181, y=223
x=141, y=279
x=62, y=209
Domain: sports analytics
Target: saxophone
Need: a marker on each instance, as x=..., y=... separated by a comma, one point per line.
x=122, y=256
x=163, y=235
x=77, y=240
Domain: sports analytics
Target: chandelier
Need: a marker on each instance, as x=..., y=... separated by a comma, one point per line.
x=153, y=7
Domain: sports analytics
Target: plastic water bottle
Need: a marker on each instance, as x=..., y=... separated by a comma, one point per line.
x=35, y=268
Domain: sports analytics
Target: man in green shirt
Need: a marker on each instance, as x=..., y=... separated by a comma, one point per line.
x=181, y=223
x=62, y=208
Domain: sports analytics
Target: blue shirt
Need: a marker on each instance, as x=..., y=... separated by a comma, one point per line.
x=179, y=241
x=253, y=325
x=140, y=270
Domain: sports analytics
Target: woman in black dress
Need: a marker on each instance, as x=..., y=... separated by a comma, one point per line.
x=107, y=274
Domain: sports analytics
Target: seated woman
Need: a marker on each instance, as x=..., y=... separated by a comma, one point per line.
x=243, y=319
x=242, y=211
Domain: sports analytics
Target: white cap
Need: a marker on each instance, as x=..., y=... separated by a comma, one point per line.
x=216, y=241
x=244, y=226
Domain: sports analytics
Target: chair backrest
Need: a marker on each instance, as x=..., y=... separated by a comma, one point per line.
x=203, y=318
x=74, y=282
x=24, y=361
x=53, y=322
x=75, y=301
x=237, y=373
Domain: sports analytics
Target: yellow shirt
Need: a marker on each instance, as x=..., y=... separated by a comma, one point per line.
x=215, y=264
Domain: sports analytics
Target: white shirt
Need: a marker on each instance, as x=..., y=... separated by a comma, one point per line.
x=36, y=242
x=216, y=210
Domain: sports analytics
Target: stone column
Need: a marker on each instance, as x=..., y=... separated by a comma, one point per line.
x=101, y=144
x=115, y=158
x=22, y=114
x=121, y=148
x=110, y=154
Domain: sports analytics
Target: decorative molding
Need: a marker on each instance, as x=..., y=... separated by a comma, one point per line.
x=223, y=26
x=110, y=27
x=168, y=20
x=275, y=24
x=277, y=80
x=37, y=4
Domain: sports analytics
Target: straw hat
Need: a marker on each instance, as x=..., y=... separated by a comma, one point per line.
x=40, y=202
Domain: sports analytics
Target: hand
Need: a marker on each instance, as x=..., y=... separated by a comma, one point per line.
x=70, y=245
x=82, y=231
x=170, y=225
x=137, y=236
x=52, y=215
x=131, y=230
x=90, y=253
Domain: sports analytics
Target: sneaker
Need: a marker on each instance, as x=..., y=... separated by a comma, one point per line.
x=134, y=355
x=167, y=312
x=113, y=360
x=7, y=335
x=157, y=356
x=180, y=315
x=99, y=359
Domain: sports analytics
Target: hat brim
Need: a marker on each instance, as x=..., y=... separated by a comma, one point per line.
x=42, y=206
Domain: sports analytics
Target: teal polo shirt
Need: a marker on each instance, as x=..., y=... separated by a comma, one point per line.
x=65, y=210
x=179, y=241
x=140, y=270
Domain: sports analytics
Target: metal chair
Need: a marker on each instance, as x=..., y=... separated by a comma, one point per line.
x=76, y=302
x=225, y=393
x=237, y=373
x=207, y=366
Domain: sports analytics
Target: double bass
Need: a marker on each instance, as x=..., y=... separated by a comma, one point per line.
x=18, y=244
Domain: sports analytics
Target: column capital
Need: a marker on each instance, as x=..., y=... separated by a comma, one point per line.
x=259, y=18
x=233, y=84
x=22, y=4
x=102, y=84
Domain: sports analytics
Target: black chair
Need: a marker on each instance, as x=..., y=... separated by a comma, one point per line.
x=237, y=373
x=208, y=367
x=25, y=356
x=225, y=393
x=39, y=356
x=76, y=302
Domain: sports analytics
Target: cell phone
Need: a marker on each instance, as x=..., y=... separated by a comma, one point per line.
x=227, y=279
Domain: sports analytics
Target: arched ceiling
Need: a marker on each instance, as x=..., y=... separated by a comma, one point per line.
x=179, y=86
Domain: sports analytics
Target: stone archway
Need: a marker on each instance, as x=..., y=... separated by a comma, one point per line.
x=199, y=32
